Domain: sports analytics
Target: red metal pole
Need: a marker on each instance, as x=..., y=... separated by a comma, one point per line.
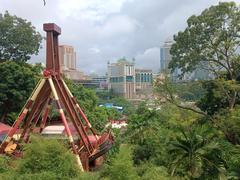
x=80, y=110
x=36, y=118
x=45, y=115
x=74, y=117
x=69, y=134
x=23, y=114
x=35, y=108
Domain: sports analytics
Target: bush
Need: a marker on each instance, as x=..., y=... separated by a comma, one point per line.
x=150, y=171
x=121, y=166
x=4, y=162
x=43, y=155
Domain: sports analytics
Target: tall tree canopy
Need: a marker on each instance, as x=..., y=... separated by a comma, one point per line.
x=17, y=82
x=211, y=41
x=18, y=38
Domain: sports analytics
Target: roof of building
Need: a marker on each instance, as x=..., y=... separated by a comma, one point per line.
x=143, y=70
x=4, y=128
x=122, y=61
x=66, y=46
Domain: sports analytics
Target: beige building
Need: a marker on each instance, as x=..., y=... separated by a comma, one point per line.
x=121, y=78
x=124, y=79
x=144, y=79
x=67, y=57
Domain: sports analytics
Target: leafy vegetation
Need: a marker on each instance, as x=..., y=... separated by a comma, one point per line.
x=18, y=38
x=17, y=82
x=121, y=167
x=211, y=42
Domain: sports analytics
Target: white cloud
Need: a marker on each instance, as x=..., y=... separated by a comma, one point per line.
x=93, y=10
x=94, y=50
x=116, y=25
x=103, y=30
x=150, y=58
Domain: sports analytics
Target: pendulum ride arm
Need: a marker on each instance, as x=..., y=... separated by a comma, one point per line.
x=52, y=71
x=44, y=91
x=79, y=110
x=45, y=115
x=73, y=113
x=22, y=115
x=69, y=134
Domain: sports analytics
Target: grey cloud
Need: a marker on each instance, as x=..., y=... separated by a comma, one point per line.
x=103, y=30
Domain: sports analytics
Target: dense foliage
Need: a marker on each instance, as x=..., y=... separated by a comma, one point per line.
x=43, y=159
x=211, y=42
x=88, y=101
x=18, y=38
x=17, y=83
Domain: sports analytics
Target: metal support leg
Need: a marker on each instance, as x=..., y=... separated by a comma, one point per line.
x=69, y=134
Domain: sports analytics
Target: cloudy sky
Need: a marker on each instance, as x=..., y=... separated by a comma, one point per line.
x=105, y=30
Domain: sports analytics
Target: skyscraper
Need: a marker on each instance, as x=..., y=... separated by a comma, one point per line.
x=67, y=57
x=165, y=56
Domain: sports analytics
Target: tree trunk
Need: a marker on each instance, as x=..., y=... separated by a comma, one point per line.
x=2, y=119
x=232, y=101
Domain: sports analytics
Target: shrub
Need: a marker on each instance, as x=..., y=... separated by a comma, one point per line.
x=43, y=155
x=121, y=166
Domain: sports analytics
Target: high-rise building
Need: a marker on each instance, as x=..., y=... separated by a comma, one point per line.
x=121, y=78
x=165, y=57
x=67, y=57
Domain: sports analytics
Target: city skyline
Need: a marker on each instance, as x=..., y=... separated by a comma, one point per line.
x=102, y=31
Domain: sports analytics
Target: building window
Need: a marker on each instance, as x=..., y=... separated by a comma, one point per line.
x=129, y=78
x=116, y=79
x=137, y=77
x=141, y=77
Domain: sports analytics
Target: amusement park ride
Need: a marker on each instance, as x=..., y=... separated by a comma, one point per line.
x=52, y=91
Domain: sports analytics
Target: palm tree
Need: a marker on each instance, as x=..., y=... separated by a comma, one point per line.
x=196, y=153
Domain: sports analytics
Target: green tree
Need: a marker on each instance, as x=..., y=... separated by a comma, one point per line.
x=98, y=118
x=190, y=91
x=196, y=153
x=211, y=42
x=151, y=130
x=86, y=98
x=48, y=155
x=177, y=94
x=121, y=166
x=113, y=113
x=148, y=171
x=4, y=164
x=18, y=38
x=214, y=99
x=17, y=82
x=43, y=159
x=229, y=123
x=128, y=107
